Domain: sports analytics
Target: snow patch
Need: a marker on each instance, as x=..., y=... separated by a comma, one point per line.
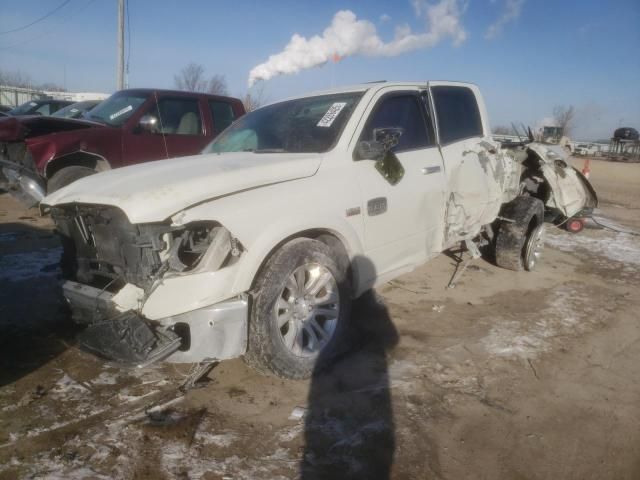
x=105, y=378
x=616, y=246
x=568, y=313
x=218, y=439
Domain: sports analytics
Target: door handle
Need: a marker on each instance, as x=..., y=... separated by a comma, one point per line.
x=430, y=170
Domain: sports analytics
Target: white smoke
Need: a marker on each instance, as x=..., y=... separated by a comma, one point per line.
x=347, y=36
x=512, y=11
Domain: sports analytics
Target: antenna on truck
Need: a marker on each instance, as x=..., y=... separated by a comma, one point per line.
x=166, y=150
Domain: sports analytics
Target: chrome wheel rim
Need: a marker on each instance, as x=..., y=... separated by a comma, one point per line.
x=535, y=247
x=307, y=309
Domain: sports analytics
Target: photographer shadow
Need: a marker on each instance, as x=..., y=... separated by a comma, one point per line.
x=349, y=427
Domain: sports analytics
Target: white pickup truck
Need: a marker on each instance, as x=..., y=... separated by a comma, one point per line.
x=258, y=246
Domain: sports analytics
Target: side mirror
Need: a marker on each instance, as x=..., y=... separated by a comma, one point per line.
x=369, y=150
x=149, y=123
x=389, y=137
x=384, y=140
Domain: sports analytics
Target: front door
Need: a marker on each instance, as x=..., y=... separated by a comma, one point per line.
x=179, y=131
x=402, y=220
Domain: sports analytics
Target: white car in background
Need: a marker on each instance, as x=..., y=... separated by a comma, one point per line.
x=586, y=149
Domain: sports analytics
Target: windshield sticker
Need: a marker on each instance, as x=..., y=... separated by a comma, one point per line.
x=33, y=104
x=74, y=110
x=331, y=114
x=126, y=109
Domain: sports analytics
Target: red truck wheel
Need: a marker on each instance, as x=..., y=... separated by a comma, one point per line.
x=575, y=225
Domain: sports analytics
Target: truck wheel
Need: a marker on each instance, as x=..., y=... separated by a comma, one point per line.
x=519, y=243
x=66, y=176
x=300, y=309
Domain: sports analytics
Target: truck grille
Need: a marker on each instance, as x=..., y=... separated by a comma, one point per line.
x=103, y=249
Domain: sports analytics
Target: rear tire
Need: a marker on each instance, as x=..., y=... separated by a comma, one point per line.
x=66, y=176
x=291, y=326
x=517, y=240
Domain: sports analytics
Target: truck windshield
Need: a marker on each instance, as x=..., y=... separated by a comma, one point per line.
x=116, y=109
x=23, y=109
x=75, y=110
x=304, y=125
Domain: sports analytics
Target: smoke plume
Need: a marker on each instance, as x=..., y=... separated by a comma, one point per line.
x=347, y=36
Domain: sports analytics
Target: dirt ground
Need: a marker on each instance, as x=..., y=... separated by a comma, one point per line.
x=508, y=376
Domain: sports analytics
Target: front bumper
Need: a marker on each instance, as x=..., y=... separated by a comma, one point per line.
x=213, y=332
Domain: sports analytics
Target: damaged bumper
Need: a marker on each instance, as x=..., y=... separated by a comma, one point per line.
x=24, y=184
x=215, y=332
x=19, y=172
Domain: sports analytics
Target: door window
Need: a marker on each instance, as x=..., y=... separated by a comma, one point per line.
x=178, y=116
x=399, y=111
x=222, y=113
x=44, y=109
x=457, y=113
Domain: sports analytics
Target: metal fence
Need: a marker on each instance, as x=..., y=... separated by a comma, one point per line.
x=14, y=96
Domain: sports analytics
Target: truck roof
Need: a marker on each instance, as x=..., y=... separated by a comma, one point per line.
x=375, y=85
x=177, y=93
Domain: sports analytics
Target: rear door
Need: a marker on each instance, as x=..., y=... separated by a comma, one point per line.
x=471, y=168
x=222, y=115
x=402, y=221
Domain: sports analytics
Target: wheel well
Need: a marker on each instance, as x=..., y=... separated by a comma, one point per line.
x=80, y=159
x=533, y=224
x=327, y=237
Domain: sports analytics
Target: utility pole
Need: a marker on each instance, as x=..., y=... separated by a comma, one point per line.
x=120, y=72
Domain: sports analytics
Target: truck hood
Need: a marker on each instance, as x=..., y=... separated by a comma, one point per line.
x=152, y=192
x=18, y=128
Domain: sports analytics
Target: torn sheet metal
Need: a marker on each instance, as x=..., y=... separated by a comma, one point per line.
x=129, y=339
x=570, y=191
x=486, y=178
x=129, y=297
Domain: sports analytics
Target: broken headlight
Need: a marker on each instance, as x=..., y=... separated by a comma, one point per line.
x=200, y=243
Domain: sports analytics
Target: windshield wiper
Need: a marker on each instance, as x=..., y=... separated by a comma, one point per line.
x=95, y=118
x=268, y=150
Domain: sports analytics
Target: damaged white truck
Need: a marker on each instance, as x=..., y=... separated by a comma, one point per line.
x=258, y=246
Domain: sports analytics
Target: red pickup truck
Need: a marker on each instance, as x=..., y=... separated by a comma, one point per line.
x=41, y=154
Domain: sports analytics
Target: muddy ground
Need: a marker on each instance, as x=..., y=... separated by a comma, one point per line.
x=508, y=376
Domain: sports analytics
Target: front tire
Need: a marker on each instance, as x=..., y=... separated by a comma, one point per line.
x=66, y=176
x=300, y=309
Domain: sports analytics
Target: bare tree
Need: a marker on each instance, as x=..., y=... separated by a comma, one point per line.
x=15, y=79
x=192, y=79
x=22, y=80
x=52, y=87
x=502, y=130
x=564, y=118
x=217, y=85
x=254, y=98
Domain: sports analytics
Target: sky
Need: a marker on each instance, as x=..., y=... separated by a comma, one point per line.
x=527, y=56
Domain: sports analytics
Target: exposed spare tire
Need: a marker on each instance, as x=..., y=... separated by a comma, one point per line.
x=66, y=176
x=520, y=236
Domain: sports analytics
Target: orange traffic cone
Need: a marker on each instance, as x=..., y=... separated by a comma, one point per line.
x=586, y=170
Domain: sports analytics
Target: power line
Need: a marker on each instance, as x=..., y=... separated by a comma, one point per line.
x=38, y=20
x=65, y=21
